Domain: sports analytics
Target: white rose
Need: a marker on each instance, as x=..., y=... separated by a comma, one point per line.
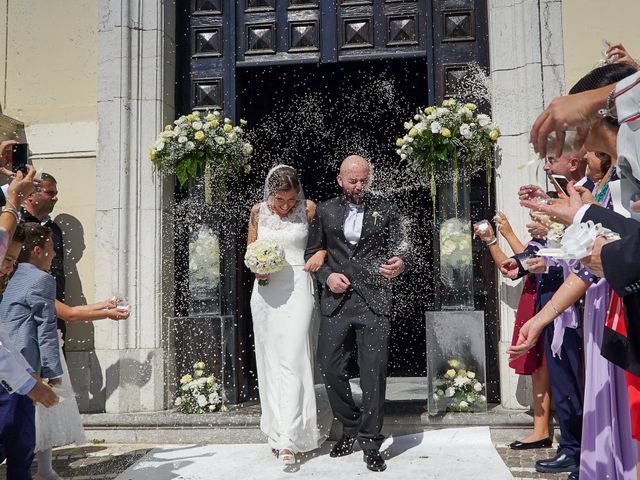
x=477, y=387
x=440, y=393
x=408, y=125
x=214, y=397
x=403, y=156
x=209, y=117
x=471, y=375
x=483, y=120
x=449, y=392
x=435, y=396
x=197, y=125
x=436, y=127
x=465, y=131
x=183, y=139
x=417, y=117
x=206, y=126
x=198, y=373
x=178, y=401
x=202, y=400
x=168, y=134
x=159, y=145
x=190, y=146
x=441, y=111
x=220, y=140
x=463, y=404
x=482, y=398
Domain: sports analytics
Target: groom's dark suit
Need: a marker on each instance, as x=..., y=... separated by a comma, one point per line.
x=364, y=309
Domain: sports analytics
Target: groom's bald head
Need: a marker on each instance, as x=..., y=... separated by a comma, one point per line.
x=354, y=178
x=353, y=162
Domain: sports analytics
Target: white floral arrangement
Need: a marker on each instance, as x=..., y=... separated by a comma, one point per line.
x=200, y=141
x=455, y=248
x=460, y=389
x=199, y=393
x=204, y=257
x=451, y=137
x=264, y=257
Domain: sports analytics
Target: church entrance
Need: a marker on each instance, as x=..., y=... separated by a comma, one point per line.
x=313, y=95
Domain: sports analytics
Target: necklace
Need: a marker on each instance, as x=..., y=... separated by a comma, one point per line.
x=600, y=194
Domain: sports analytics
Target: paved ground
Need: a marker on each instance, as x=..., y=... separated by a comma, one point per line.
x=101, y=462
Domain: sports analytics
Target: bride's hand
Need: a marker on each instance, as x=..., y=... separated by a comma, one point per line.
x=315, y=262
x=261, y=276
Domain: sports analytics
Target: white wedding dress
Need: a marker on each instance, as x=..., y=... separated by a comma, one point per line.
x=295, y=414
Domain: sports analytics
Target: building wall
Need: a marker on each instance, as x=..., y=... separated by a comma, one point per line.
x=586, y=23
x=48, y=81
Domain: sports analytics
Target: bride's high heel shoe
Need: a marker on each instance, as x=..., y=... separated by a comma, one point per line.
x=275, y=452
x=287, y=456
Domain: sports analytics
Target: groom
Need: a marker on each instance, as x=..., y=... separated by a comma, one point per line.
x=363, y=238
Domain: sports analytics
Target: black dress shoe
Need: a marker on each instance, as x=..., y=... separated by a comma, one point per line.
x=518, y=445
x=342, y=447
x=573, y=476
x=560, y=463
x=375, y=463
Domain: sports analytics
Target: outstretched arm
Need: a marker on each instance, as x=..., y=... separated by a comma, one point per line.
x=89, y=313
x=569, y=293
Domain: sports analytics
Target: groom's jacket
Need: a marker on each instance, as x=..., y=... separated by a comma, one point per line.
x=382, y=237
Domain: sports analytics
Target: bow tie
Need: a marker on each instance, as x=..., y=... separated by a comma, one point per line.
x=355, y=208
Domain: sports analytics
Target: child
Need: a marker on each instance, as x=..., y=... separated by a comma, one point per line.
x=27, y=313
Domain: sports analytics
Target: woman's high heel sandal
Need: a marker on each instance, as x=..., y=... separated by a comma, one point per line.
x=275, y=452
x=287, y=457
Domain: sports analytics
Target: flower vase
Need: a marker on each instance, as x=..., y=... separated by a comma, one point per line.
x=453, y=252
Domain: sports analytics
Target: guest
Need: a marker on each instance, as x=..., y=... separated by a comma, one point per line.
x=37, y=208
x=533, y=363
x=27, y=313
x=607, y=451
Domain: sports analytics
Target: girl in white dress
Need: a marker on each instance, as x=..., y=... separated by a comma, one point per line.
x=61, y=425
x=284, y=322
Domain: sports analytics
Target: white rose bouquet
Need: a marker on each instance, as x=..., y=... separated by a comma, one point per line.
x=201, y=141
x=452, y=136
x=459, y=388
x=199, y=393
x=264, y=257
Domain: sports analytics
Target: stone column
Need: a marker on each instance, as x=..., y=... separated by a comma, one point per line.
x=527, y=72
x=134, y=253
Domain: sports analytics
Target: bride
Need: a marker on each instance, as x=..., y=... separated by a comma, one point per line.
x=284, y=321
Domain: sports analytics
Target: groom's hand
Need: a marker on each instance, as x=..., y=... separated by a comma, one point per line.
x=393, y=268
x=338, y=282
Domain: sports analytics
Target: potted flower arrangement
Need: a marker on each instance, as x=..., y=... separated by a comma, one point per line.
x=458, y=389
x=199, y=393
x=446, y=145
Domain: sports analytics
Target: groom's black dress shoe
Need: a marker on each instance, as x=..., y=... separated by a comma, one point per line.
x=560, y=463
x=375, y=463
x=573, y=476
x=342, y=447
x=518, y=445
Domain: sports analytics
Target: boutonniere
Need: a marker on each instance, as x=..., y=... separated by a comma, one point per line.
x=376, y=215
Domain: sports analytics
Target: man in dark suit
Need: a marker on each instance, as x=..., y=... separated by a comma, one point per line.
x=363, y=239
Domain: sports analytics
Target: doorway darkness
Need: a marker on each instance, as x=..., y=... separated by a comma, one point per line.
x=313, y=116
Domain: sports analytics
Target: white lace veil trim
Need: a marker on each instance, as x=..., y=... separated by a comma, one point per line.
x=265, y=192
x=268, y=219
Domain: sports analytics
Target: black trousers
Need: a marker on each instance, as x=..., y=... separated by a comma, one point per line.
x=17, y=434
x=355, y=323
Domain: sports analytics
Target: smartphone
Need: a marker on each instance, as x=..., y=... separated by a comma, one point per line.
x=19, y=157
x=560, y=183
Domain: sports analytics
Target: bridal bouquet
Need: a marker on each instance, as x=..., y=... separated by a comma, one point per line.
x=199, y=393
x=451, y=135
x=199, y=142
x=264, y=257
x=459, y=389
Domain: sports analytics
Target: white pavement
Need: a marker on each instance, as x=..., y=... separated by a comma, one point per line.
x=447, y=454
